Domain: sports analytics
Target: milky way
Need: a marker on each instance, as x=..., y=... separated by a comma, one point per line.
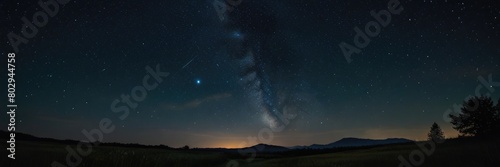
x=232, y=77
x=251, y=27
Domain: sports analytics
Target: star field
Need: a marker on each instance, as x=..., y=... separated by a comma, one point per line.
x=92, y=52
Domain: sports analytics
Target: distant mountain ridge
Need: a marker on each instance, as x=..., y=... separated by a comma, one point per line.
x=268, y=148
x=342, y=143
x=355, y=142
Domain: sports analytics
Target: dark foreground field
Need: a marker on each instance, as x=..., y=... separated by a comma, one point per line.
x=455, y=152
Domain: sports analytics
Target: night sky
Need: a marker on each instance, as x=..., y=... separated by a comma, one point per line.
x=229, y=79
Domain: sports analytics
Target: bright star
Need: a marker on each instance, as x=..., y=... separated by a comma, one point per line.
x=198, y=81
x=237, y=35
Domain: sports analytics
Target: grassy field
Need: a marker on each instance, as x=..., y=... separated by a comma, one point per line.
x=469, y=152
x=451, y=153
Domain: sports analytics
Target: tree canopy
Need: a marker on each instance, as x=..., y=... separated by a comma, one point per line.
x=478, y=117
x=435, y=134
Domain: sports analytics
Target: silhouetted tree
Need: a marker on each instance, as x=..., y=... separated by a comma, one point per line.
x=478, y=117
x=186, y=147
x=436, y=134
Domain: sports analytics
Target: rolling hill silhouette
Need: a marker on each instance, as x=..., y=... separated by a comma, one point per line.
x=342, y=143
x=355, y=142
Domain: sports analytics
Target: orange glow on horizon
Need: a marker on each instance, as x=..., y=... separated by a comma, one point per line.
x=228, y=145
x=304, y=139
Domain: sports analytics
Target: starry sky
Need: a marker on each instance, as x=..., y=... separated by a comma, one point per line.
x=230, y=78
